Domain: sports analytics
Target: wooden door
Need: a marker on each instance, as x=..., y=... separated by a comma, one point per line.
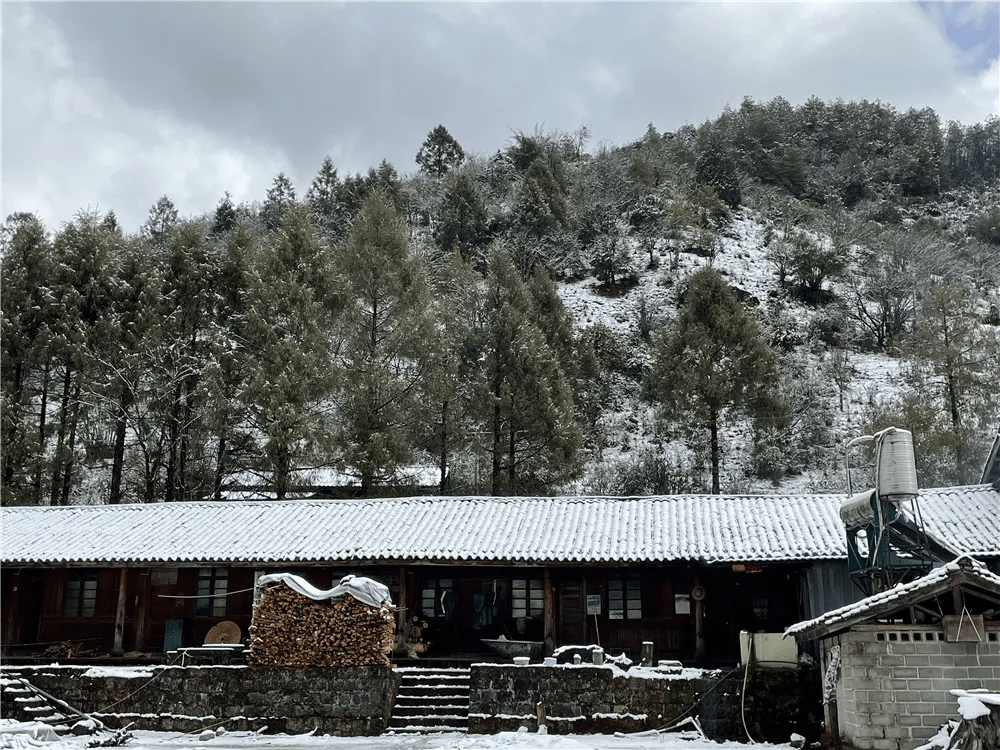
x=572, y=616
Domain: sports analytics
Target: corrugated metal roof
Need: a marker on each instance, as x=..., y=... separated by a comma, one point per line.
x=474, y=529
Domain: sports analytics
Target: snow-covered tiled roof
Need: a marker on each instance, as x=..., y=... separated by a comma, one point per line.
x=963, y=569
x=965, y=519
x=468, y=529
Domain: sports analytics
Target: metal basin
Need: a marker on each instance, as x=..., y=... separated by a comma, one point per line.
x=511, y=649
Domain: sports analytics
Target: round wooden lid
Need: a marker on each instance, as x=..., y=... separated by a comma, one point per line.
x=226, y=631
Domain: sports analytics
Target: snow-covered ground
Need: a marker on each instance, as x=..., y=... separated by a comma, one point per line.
x=512, y=740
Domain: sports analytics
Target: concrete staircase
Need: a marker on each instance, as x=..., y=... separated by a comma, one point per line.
x=22, y=702
x=431, y=700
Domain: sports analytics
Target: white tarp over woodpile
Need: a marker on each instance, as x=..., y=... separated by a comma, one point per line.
x=363, y=589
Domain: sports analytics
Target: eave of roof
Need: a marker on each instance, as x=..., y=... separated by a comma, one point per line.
x=964, y=571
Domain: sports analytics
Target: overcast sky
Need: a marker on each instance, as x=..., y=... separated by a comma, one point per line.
x=110, y=105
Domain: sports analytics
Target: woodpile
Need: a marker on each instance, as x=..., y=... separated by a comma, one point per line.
x=979, y=729
x=292, y=630
x=69, y=649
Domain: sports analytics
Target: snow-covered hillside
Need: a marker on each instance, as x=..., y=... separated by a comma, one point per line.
x=630, y=426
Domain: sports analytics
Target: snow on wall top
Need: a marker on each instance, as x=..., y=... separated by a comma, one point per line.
x=871, y=606
x=706, y=528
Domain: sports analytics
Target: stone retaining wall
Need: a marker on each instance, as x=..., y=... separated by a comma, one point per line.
x=589, y=698
x=337, y=701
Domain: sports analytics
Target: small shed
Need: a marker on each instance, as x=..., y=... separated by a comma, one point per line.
x=891, y=659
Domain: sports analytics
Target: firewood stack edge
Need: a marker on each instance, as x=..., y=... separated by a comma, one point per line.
x=321, y=629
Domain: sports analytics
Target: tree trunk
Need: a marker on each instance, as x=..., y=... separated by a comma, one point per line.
x=183, y=490
x=8, y=458
x=149, y=495
x=443, y=485
x=58, y=458
x=220, y=457
x=497, y=444
x=511, y=463
x=42, y=413
x=172, y=443
x=282, y=470
x=950, y=377
x=67, y=479
x=118, y=460
x=713, y=425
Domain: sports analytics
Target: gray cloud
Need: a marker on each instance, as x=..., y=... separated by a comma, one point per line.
x=112, y=104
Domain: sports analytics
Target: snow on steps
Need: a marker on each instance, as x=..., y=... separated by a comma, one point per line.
x=29, y=706
x=431, y=700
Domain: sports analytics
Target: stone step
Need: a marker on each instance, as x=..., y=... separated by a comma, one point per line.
x=425, y=730
x=39, y=711
x=432, y=694
x=437, y=700
x=441, y=710
x=22, y=702
x=431, y=700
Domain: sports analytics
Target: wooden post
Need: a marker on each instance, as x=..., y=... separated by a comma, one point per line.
x=698, y=594
x=117, y=649
x=401, y=611
x=12, y=631
x=549, y=626
x=142, y=622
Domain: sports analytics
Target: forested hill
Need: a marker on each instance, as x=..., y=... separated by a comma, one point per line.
x=718, y=308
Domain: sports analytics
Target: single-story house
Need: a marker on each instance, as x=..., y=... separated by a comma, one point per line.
x=686, y=573
x=892, y=658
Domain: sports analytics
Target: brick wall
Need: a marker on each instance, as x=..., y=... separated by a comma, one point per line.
x=893, y=691
x=338, y=701
x=588, y=698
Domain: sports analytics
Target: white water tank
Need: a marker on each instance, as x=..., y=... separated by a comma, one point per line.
x=896, y=469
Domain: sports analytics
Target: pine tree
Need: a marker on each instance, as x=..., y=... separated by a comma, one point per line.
x=447, y=397
x=131, y=373
x=188, y=299
x=714, y=365
x=280, y=198
x=524, y=397
x=439, y=153
x=86, y=259
x=461, y=226
x=716, y=169
x=386, y=329
x=324, y=201
x=225, y=215
x=26, y=307
x=287, y=329
x=956, y=361
x=161, y=221
x=222, y=385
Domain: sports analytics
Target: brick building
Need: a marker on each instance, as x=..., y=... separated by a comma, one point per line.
x=900, y=652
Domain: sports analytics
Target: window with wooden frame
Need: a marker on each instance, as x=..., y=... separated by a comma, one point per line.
x=625, y=598
x=434, y=597
x=80, y=595
x=213, y=585
x=527, y=598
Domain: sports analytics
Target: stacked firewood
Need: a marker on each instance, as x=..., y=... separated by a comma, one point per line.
x=68, y=649
x=292, y=630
